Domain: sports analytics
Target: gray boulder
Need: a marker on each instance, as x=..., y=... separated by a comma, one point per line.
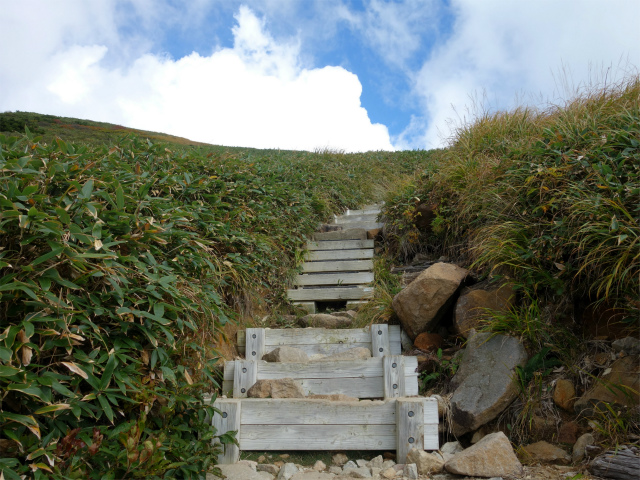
x=422, y=304
x=484, y=384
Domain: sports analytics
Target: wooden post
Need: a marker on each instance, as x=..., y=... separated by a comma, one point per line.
x=393, y=373
x=254, y=349
x=409, y=426
x=228, y=420
x=245, y=374
x=380, y=340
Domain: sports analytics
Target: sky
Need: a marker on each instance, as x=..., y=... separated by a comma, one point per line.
x=345, y=75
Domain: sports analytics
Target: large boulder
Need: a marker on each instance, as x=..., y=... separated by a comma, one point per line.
x=473, y=303
x=492, y=456
x=422, y=304
x=619, y=386
x=484, y=384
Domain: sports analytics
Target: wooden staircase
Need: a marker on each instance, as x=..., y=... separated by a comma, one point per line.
x=400, y=420
x=339, y=264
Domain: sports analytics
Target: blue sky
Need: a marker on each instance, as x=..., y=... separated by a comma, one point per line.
x=352, y=75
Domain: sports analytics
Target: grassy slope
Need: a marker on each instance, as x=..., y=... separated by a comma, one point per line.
x=120, y=260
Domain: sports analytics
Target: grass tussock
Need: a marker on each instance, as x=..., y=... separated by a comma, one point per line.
x=550, y=196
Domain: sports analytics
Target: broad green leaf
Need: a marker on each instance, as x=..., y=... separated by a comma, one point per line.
x=52, y=408
x=87, y=189
x=106, y=408
x=108, y=372
x=6, y=371
x=5, y=354
x=119, y=197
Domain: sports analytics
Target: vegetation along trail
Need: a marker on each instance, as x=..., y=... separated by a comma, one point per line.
x=129, y=259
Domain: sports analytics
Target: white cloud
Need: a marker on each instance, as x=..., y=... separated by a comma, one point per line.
x=506, y=52
x=255, y=94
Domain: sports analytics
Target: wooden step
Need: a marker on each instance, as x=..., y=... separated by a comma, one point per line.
x=369, y=211
x=339, y=244
x=307, y=424
x=330, y=294
x=323, y=255
x=338, y=266
x=360, y=278
x=320, y=341
x=348, y=219
x=344, y=234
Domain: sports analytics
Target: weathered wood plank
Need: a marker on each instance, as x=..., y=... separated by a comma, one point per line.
x=410, y=426
x=324, y=255
x=335, y=340
x=328, y=425
x=325, y=294
x=364, y=217
x=317, y=412
x=365, y=211
x=395, y=381
x=317, y=437
x=339, y=244
x=244, y=377
x=361, y=278
x=360, y=378
x=255, y=343
x=366, y=225
x=345, y=234
x=228, y=420
x=338, y=266
x=380, y=340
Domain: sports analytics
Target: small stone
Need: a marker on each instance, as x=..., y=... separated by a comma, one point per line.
x=358, y=472
x=490, y=457
x=262, y=459
x=376, y=462
x=411, y=471
x=319, y=466
x=426, y=463
x=350, y=464
x=286, y=355
x=339, y=459
x=335, y=470
x=451, y=448
x=266, y=467
x=544, y=452
x=387, y=464
x=579, y=448
x=362, y=463
x=428, y=342
x=284, y=456
x=564, y=395
x=628, y=345
x=375, y=471
x=287, y=471
x=279, y=463
x=278, y=388
x=399, y=467
x=389, y=473
x=568, y=433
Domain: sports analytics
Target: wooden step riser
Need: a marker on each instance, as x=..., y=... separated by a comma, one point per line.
x=334, y=279
x=328, y=255
x=330, y=294
x=340, y=244
x=299, y=424
x=338, y=266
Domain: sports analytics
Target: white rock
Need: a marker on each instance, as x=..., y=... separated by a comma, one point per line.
x=377, y=462
x=249, y=463
x=335, y=470
x=451, y=448
x=358, y=472
x=349, y=464
x=411, y=471
x=375, y=471
x=319, y=466
x=389, y=473
x=267, y=467
x=387, y=464
x=287, y=471
x=427, y=463
x=362, y=463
